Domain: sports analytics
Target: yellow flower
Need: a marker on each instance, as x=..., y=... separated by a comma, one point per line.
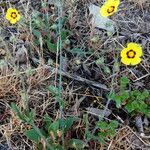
x=12, y=15
x=109, y=8
x=131, y=54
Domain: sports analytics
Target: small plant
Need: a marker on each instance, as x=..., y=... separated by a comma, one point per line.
x=52, y=135
x=106, y=130
x=44, y=28
x=55, y=91
x=135, y=102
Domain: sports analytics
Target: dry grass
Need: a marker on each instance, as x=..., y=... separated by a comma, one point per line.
x=30, y=72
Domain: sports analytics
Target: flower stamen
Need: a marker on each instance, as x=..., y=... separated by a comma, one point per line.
x=111, y=9
x=131, y=54
x=14, y=15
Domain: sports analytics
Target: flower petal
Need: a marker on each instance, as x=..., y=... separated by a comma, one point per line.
x=10, y=10
x=136, y=61
x=8, y=16
x=124, y=52
x=8, y=13
x=18, y=17
x=135, y=47
x=125, y=60
x=13, y=21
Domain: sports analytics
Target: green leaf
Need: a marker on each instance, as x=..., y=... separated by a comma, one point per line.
x=113, y=124
x=135, y=105
x=106, y=69
x=76, y=143
x=147, y=112
x=52, y=47
x=67, y=123
x=146, y=93
x=134, y=93
x=36, y=33
x=118, y=101
x=54, y=90
x=100, y=61
x=111, y=96
x=129, y=107
x=37, y=42
x=111, y=133
x=103, y=137
x=88, y=135
x=35, y=14
x=17, y=111
x=142, y=106
x=33, y=135
x=47, y=121
x=116, y=67
x=30, y=116
x=142, y=96
x=60, y=101
x=103, y=125
x=123, y=82
x=124, y=96
x=107, y=129
x=54, y=127
x=55, y=147
x=64, y=34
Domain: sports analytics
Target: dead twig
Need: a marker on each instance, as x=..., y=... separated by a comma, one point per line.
x=86, y=81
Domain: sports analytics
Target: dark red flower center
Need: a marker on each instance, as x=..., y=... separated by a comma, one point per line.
x=111, y=9
x=131, y=54
x=14, y=15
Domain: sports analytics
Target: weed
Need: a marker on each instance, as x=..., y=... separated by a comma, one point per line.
x=134, y=101
x=43, y=27
x=106, y=130
x=60, y=57
x=52, y=135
